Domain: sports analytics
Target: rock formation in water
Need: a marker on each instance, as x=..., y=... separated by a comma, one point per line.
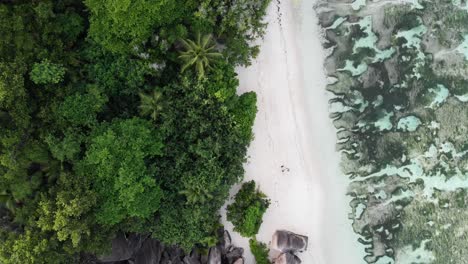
x=399, y=74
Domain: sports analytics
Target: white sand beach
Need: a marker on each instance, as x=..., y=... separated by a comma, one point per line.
x=292, y=129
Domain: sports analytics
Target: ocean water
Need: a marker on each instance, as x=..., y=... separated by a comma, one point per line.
x=400, y=106
x=339, y=244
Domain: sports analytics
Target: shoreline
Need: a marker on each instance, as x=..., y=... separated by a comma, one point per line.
x=292, y=129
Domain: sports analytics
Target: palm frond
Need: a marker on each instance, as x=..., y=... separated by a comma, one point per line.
x=205, y=41
x=199, y=53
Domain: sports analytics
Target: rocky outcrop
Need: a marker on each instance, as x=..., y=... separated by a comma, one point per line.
x=234, y=254
x=150, y=252
x=191, y=260
x=141, y=249
x=214, y=257
x=227, y=241
x=288, y=242
x=123, y=248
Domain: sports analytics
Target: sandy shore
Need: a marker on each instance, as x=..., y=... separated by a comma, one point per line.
x=292, y=129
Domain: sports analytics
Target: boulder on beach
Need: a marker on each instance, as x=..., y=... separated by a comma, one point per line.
x=286, y=241
x=226, y=239
x=287, y=258
x=234, y=254
x=214, y=257
x=239, y=261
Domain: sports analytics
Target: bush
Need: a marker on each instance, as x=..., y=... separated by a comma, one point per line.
x=260, y=251
x=247, y=210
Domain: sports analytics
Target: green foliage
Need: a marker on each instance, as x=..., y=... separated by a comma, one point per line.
x=260, y=251
x=81, y=109
x=235, y=23
x=122, y=25
x=200, y=54
x=202, y=158
x=117, y=160
x=33, y=31
x=247, y=210
x=187, y=225
x=32, y=247
x=115, y=74
x=66, y=148
x=46, y=72
x=223, y=84
x=245, y=111
x=151, y=104
x=195, y=193
x=100, y=131
x=13, y=98
x=119, y=26
x=68, y=213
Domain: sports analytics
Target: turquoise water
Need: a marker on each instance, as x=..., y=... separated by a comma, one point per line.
x=403, y=121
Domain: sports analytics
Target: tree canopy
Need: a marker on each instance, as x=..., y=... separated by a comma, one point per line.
x=102, y=131
x=47, y=73
x=116, y=159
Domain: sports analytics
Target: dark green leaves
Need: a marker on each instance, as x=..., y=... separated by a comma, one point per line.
x=247, y=210
x=100, y=131
x=121, y=26
x=260, y=251
x=200, y=54
x=46, y=72
x=117, y=161
x=81, y=109
x=151, y=104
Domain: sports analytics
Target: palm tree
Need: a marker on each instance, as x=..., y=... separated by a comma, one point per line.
x=199, y=53
x=196, y=194
x=151, y=104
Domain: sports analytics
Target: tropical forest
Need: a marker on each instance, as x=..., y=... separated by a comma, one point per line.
x=120, y=117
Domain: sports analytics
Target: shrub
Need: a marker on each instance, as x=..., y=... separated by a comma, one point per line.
x=260, y=251
x=247, y=210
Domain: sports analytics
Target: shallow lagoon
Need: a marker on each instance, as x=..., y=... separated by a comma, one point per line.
x=404, y=142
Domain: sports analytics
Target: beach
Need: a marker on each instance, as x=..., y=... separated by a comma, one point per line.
x=292, y=157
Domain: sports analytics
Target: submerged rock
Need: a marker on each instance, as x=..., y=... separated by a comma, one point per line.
x=286, y=241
